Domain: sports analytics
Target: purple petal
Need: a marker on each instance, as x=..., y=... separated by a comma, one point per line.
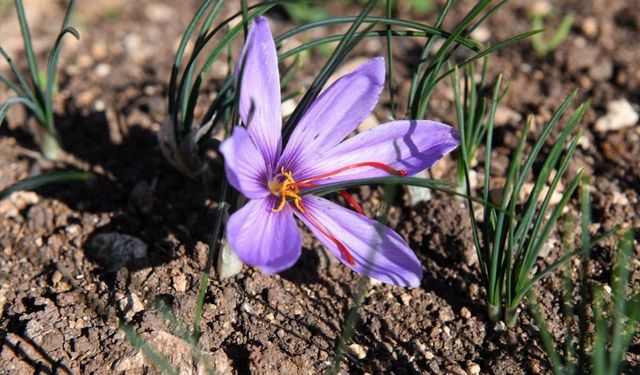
x=378, y=251
x=260, y=106
x=245, y=165
x=412, y=145
x=263, y=238
x=336, y=112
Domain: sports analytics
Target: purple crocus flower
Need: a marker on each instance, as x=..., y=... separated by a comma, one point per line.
x=264, y=232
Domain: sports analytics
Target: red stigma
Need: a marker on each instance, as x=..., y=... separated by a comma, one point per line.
x=356, y=206
x=373, y=164
x=343, y=249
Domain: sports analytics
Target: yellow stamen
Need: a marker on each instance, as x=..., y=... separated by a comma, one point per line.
x=286, y=189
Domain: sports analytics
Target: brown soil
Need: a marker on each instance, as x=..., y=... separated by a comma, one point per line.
x=62, y=307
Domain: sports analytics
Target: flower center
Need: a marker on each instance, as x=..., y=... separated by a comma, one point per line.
x=285, y=186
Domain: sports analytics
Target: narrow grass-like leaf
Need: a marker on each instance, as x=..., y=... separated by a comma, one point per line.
x=175, y=70
x=561, y=33
x=620, y=280
x=4, y=107
x=416, y=78
x=52, y=69
x=162, y=363
x=545, y=336
x=345, y=45
x=204, y=70
x=27, y=89
x=44, y=179
x=426, y=85
x=416, y=26
x=28, y=47
x=491, y=49
x=12, y=86
x=390, y=73
x=336, y=38
x=437, y=185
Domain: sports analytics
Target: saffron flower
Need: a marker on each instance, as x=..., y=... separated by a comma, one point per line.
x=264, y=232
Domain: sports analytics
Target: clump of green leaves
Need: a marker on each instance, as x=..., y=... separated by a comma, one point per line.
x=541, y=45
x=512, y=234
x=35, y=90
x=613, y=315
x=432, y=69
x=476, y=108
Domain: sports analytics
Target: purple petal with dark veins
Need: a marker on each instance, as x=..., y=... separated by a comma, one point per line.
x=378, y=251
x=260, y=106
x=336, y=112
x=263, y=238
x=244, y=165
x=412, y=145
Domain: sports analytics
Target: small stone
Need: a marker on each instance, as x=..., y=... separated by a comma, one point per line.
x=180, y=283
x=406, y=299
x=581, y=55
x=99, y=50
x=84, y=61
x=500, y=326
x=620, y=115
x=39, y=242
x=602, y=70
x=246, y=307
x=358, y=351
x=115, y=250
x=270, y=317
x=506, y=115
x=445, y=314
x=56, y=277
x=428, y=355
x=130, y=305
x=589, y=27
x=158, y=12
x=549, y=245
x=12, y=205
x=465, y=313
x=541, y=8
x=200, y=252
x=619, y=199
x=473, y=368
x=102, y=70
x=447, y=331
x=481, y=34
x=434, y=367
x=419, y=194
x=454, y=369
x=72, y=230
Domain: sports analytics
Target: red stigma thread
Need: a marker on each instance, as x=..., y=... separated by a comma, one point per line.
x=373, y=164
x=343, y=249
x=356, y=206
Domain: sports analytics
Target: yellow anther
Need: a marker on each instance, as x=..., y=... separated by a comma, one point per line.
x=286, y=189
